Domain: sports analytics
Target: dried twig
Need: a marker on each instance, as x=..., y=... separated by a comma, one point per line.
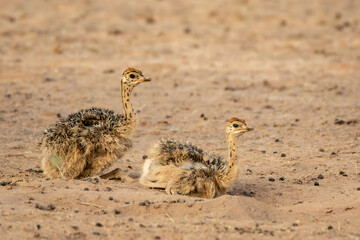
x=172, y=220
x=91, y=204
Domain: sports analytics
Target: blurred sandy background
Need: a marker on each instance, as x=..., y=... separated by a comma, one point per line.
x=290, y=68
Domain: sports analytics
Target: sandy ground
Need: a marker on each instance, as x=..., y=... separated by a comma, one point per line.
x=290, y=68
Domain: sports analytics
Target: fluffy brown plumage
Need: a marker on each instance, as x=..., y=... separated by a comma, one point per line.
x=86, y=142
x=182, y=168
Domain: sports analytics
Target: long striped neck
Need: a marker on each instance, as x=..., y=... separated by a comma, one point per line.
x=227, y=173
x=232, y=142
x=129, y=112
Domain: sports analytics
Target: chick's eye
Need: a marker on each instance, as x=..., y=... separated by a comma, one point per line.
x=235, y=125
x=132, y=75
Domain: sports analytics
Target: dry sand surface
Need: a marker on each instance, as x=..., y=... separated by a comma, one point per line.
x=290, y=68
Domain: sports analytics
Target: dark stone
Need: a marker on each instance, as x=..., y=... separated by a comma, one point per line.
x=49, y=207
x=271, y=179
x=283, y=155
x=320, y=176
x=99, y=224
x=145, y=203
x=316, y=184
x=49, y=79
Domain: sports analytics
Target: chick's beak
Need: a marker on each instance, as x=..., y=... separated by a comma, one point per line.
x=143, y=79
x=249, y=129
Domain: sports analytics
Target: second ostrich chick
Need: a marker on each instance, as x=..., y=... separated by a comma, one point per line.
x=181, y=168
x=84, y=143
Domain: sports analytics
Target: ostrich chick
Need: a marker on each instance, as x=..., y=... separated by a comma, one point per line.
x=84, y=143
x=181, y=168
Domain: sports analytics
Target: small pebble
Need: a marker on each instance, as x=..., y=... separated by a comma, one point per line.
x=333, y=153
x=316, y=184
x=145, y=203
x=108, y=189
x=117, y=211
x=99, y=224
x=281, y=178
x=49, y=207
x=145, y=157
x=358, y=189
x=277, y=140
x=38, y=226
x=111, y=198
x=320, y=176
x=142, y=225
x=127, y=202
x=31, y=198
x=283, y=155
x=330, y=227
x=4, y=183
x=272, y=179
x=86, y=189
x=342, y=173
